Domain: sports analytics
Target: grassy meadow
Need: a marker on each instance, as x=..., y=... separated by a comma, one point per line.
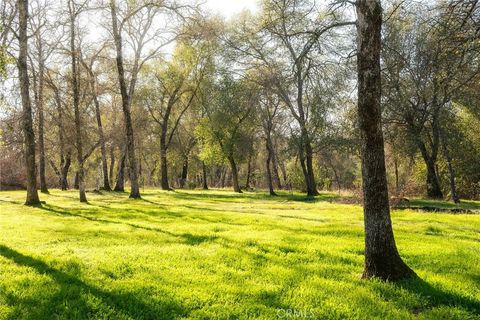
x=220, y=255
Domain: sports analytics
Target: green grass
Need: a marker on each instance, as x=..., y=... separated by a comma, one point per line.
x=219, y=255
x=464, y=204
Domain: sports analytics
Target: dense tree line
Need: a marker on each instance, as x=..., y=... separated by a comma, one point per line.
x=162, y=94
x=231, y=96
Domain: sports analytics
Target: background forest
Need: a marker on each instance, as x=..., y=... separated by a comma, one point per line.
x=264, y=100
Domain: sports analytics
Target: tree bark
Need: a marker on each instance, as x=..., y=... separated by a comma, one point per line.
x=434, y=190
x=268, y=162
x=382, y=259
x=397, y=182
x=233, y=167
x=103, y=149
x=164, y=184
x=64, y=167
x=126, y=99
x=112, y=165
x=451, y=172
x=310, y=176
x=41, y=120
x=28, y=133
x=204, y=176
x=183, y=178
x=120, y=181
x=276, y=175
x=301, y=156
x=76, y=103
x=163, y=151
x=76, y=182
x=249, y=172
x=65, y=160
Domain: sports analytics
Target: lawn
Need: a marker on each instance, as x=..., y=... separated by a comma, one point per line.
x=219, y=255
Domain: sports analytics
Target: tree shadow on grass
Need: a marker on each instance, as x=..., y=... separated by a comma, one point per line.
x=11, y=201
x=254, y=196
x=186, y=238
x=437, y=297
x=193, y=239
x=105, y=221
x=73, y=290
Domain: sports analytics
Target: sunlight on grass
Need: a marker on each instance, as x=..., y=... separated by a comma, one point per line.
x=219, y=255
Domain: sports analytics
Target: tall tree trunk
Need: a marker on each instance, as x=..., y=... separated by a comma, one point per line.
x=276, y=176
x=249, y=172
x=303, y=165
x=163, y=161
x=126, y=98
x=397, y=182
x=65, y=160
x=103, y=149
x=305, y=142
x=29, y=135
x=76, y=181
x=41, y=120
x=76, y=103
x=382, y=259
x=183, y=178
x=120, y=181
x=233, y=167
x=204, y=176
x=112, y=165
x=311, y=184
x=64, y=167
x=434, y=190
x=268, y=162
x=451, y=172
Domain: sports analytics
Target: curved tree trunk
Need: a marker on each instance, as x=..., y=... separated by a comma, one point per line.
x=233, y=167
x=29, y=135
x=64, y=167
x=434, y=190
x=382, y=259
x=120, y=181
